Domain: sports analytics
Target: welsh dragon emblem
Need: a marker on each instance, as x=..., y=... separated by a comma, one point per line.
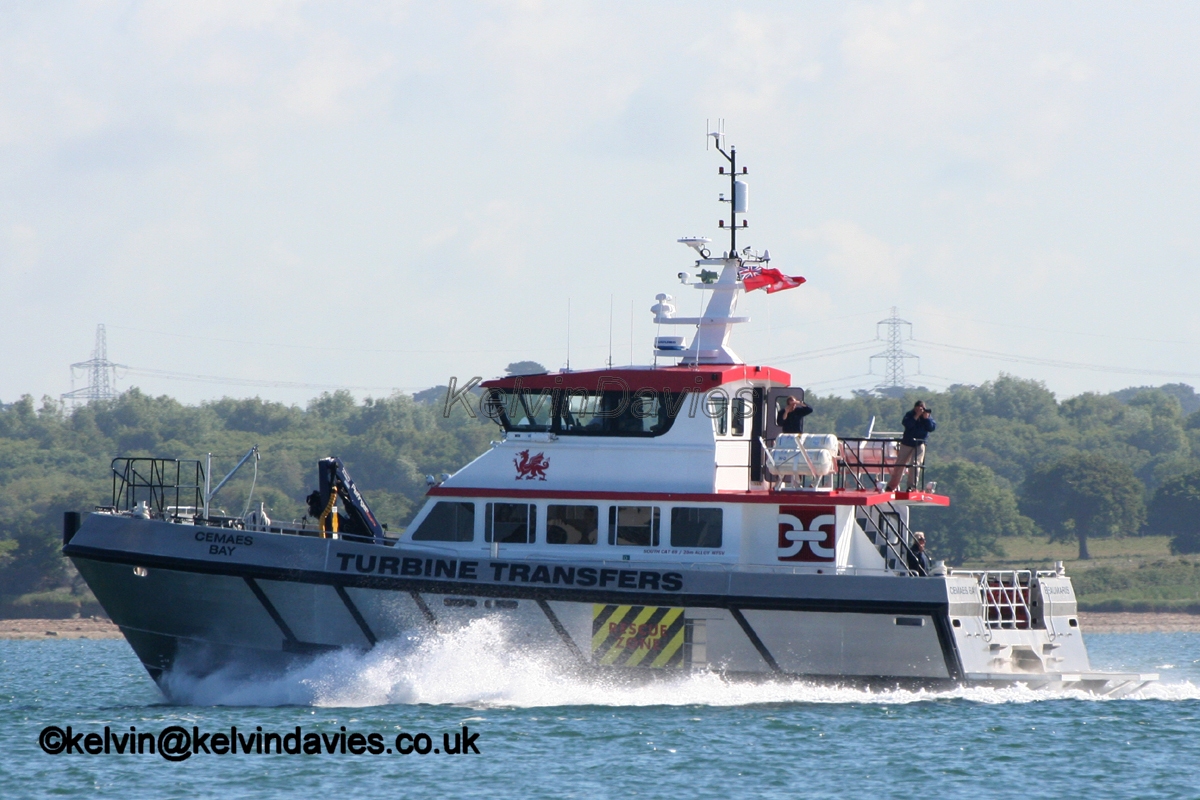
x=530, y=468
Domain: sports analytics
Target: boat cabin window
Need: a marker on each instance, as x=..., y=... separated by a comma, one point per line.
x=695, y=527
x=718, y=411
x=741, y=412
x=447, y=522
x=509, y=523
x=580, y=412
x=615, y=413
x=572, y=524
x=633, y=526
x=523, y=410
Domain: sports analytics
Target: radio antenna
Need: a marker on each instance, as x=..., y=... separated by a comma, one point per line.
x=610, y=324
x=738, y=193
x=568, y=334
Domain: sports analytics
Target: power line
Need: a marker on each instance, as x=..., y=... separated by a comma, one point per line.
x=265, y=383
x=338, y=349
x=808, y=322
x=895, y=356
x=1122, y=336
x=824, y=352
x=1051, y=362
x=846, y=379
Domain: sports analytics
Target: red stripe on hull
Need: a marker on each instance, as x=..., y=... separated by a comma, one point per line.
x=834, y=498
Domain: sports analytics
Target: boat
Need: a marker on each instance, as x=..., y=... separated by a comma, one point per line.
x=641, y=521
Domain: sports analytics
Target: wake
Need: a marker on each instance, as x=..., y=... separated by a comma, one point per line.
x=480, y=666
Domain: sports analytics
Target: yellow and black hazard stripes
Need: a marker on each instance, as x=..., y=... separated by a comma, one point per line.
x=638, y=636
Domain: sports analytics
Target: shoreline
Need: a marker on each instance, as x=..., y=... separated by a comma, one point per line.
x=1138, y=622
x=44, y=629
x=1090, y=622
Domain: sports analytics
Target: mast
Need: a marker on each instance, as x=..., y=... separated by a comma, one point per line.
x=738, y=192
x=710, y=345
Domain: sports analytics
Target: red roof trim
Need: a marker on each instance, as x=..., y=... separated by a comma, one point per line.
x=673, y=379
x=834, y=498
x=923, y=498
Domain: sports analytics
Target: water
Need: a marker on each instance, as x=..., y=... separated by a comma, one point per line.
x=541, y=735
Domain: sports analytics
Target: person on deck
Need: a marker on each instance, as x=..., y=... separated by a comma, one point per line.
x=918, y=424
x=791, y=417
x=918, y=559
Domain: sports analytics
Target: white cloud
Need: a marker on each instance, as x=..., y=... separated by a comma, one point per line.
x=318, y=87
x=1063, y=66
x=858, y=261
x=167, y=26
x=558, y=65
x=20, y=252
x=760, y=59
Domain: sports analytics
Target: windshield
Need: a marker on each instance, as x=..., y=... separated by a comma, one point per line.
x=577, y=412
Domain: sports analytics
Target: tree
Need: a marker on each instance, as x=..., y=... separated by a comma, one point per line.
x=1084, y=496
x=434, y=395
x=1175, y=511
x=1189, y=401
x=981, y=511
x=524, y=368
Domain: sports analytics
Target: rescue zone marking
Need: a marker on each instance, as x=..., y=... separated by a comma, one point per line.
x=633, y=636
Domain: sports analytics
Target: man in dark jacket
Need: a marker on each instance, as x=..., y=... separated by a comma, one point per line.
x=791, y=416
x=918, y=560
x=918, y=424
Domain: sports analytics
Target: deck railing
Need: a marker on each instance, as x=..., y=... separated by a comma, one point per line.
x=173, y=489
x=1005, y=597
x=169, y=487
x=867, y=463
x=863, y=463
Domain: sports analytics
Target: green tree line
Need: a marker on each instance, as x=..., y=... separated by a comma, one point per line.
x=1015, y=460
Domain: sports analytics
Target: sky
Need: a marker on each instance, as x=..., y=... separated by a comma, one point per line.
x=282, y=198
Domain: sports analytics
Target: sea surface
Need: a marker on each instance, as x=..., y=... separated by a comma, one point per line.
x=542, y=735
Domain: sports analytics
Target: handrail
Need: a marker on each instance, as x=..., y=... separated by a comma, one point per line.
x=239, y=523
x=852, y=446
x=1005, y=596
x=901, y=547
x=904, y=550
x=974, y=573
x=855, y=474
x=148, y=480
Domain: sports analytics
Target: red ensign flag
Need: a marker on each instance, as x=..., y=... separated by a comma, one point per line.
x=770, y=279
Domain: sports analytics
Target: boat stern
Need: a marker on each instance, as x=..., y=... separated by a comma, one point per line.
x=1022, y=627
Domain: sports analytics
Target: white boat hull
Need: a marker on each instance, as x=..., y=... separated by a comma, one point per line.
x=183, y=604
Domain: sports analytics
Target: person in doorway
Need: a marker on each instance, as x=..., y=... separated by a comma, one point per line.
x=918, y=424
x=918, y=560
x=791, y=416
